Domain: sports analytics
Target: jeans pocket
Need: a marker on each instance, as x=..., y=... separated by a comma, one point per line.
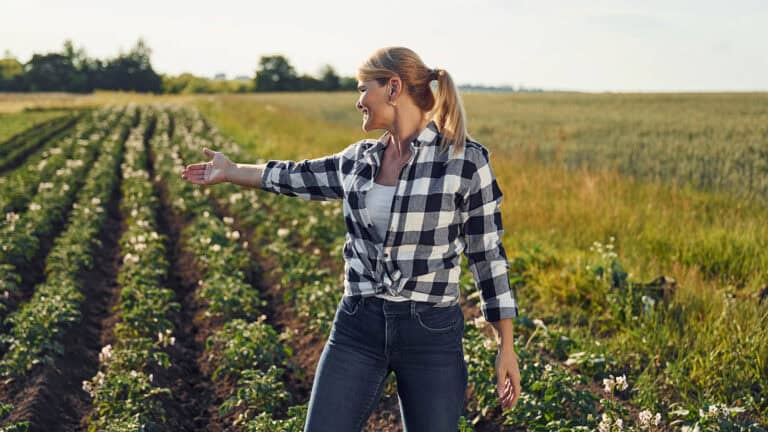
x=350, y=304
x=441, y=319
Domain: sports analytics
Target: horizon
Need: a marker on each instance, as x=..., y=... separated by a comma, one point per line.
x=625, y=47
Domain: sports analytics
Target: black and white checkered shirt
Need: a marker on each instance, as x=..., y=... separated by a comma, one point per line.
x=443, y=205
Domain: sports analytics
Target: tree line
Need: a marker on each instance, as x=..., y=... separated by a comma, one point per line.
x=71, y=70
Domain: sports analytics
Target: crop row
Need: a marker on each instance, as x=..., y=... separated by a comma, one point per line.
x=21, y=145
x=125, y=395
x=38, y=325
x=19, y=186
x=245, y=352
x=21, y=234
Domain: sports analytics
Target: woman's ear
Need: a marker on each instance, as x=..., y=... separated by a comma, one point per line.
x=394, y=85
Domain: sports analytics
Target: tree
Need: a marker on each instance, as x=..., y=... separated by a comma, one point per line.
x=275, y=73
x=348, y=83
x=11, y=73
x=309, y=83
x=330, y=81
x=131, y=71
x=51, y=72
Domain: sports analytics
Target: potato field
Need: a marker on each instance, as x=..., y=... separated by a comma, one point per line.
x=131, y=300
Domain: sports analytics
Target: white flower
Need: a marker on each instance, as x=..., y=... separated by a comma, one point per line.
x=645, y=418
x=612, y=384
x=228, y=220
x=479, y=322
x=95, y=201
x=165, y=339
x=131, y=259
x=105, y=354
x=282, y=232
x=605, y=424
x=216, y=248
x=88, y=388
x=540, y=324
x=621, y=383
x=205, y=213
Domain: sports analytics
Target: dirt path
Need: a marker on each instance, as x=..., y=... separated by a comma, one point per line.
x=194, y=405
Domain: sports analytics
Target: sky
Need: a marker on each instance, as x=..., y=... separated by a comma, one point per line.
x=580, y=45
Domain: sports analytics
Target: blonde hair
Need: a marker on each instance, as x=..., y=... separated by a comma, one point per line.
x=447, y=110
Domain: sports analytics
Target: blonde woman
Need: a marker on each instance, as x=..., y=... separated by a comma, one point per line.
x=413, y=201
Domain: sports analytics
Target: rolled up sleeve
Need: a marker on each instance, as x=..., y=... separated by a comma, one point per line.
x=482, y=230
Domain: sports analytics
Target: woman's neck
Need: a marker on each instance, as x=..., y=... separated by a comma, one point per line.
x=404, y=130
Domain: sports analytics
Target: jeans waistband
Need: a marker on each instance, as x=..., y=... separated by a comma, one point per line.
x=395, y=308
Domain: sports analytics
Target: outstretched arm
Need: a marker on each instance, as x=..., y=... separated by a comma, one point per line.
x=220, y=169
x=313, y=179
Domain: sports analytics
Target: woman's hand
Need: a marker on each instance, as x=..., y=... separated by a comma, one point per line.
x=208, y=173
x=508, y=377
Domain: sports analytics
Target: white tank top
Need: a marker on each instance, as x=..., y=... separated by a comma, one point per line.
x=378, y=200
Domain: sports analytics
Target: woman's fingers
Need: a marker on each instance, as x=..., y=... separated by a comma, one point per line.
x=194, y=171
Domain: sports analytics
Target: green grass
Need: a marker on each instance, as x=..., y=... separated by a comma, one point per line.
x=15, y=123
x=708, y=343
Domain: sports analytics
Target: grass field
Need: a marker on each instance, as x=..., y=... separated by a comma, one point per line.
x=603, y=195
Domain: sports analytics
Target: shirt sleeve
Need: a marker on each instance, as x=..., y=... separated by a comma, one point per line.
x=311, y=179
x=483, y=231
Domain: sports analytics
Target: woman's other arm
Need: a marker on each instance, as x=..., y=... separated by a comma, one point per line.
x=487, y=259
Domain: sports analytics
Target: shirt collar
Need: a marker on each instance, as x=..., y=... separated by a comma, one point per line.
x=426, y=136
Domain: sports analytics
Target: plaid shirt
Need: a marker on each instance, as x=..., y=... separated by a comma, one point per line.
x=441, y=207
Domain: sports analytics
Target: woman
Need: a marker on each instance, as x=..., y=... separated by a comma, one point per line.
x=413, y=200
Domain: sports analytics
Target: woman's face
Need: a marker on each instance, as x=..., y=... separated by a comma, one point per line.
x=372, y=103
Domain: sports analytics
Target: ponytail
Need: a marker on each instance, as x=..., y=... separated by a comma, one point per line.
x=448, y=113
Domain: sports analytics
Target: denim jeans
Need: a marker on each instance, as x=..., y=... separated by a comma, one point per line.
x=372, y=337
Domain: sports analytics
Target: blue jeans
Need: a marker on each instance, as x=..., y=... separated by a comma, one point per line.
x=372, y=337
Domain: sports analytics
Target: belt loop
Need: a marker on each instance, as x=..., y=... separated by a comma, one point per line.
x=413, y=309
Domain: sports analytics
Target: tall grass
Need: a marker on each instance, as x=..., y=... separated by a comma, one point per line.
x=709, y=342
